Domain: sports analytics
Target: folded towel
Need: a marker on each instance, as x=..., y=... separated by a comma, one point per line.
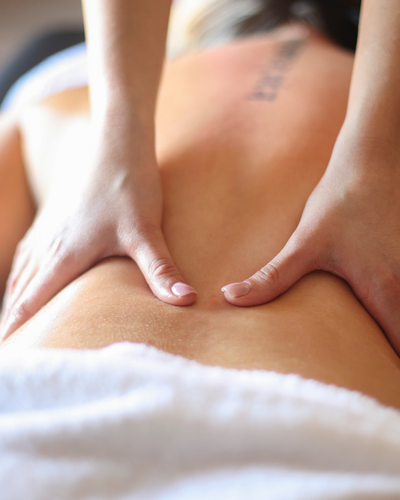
x=132, y=422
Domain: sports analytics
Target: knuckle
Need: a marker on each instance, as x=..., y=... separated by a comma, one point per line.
x=19, y=248
x=11, y=283
x=268, y=275
x=163, y=267
x=59, y=257
x=57, y=249
x=21, y=312
x=12, y=280
x=20, y=256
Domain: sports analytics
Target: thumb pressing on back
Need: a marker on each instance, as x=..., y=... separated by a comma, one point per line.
x=293, y=262
x=159, y=270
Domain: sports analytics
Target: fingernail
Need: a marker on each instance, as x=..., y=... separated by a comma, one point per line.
x=181, y=289
x=237, y=289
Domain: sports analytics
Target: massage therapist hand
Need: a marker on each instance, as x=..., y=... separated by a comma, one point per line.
x=117, y=211
x=351, y=222
x=350, y=227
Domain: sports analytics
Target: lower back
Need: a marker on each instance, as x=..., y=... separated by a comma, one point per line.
x=236, y=171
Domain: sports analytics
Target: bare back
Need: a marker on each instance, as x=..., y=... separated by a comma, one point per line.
x=244, y=133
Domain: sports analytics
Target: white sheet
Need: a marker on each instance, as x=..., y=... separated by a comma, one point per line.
x=131, y=422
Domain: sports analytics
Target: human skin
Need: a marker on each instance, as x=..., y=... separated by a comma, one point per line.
x=16, y=205
x=126, y=44
x=350, y=225
x=355, y=205
x=236, y=173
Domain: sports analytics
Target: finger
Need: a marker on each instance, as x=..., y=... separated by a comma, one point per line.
x=47, y=282
x=294, y=261
x=159, y=270
x=20, y=262
x=21, y=257
x=17, y=284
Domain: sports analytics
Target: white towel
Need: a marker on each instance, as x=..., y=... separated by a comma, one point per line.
x=64, y=70
x=132, y=422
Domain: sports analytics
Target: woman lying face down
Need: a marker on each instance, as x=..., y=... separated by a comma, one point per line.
x=244, y=133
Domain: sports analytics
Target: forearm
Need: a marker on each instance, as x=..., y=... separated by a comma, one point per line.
x=126, y=46
x=374, y=102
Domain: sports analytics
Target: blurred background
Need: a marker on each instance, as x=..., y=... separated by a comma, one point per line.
x=21, y=21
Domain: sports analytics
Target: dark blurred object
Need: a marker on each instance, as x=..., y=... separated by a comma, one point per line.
x=340, y=20
x=336, y=18
x=35, y=52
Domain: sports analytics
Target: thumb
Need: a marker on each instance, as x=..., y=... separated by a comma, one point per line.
x=159, y=270
x=293, y=262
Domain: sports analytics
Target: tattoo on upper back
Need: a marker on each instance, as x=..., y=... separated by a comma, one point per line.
x=274, y=73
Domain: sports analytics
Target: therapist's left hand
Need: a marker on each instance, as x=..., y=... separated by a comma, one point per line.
x=350, y=227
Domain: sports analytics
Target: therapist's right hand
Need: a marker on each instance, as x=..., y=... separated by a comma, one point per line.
x=116, y=212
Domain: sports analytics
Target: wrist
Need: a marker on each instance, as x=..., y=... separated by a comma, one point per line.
x=122, y=143
x=375, y=115
x=123, y=113
x=123, y=129
x=370, y=131
x=367, y=152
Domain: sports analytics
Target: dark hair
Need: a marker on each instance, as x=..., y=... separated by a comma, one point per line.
x=336, y=18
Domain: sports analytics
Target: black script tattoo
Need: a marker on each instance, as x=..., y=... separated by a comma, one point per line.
x=273, y=75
